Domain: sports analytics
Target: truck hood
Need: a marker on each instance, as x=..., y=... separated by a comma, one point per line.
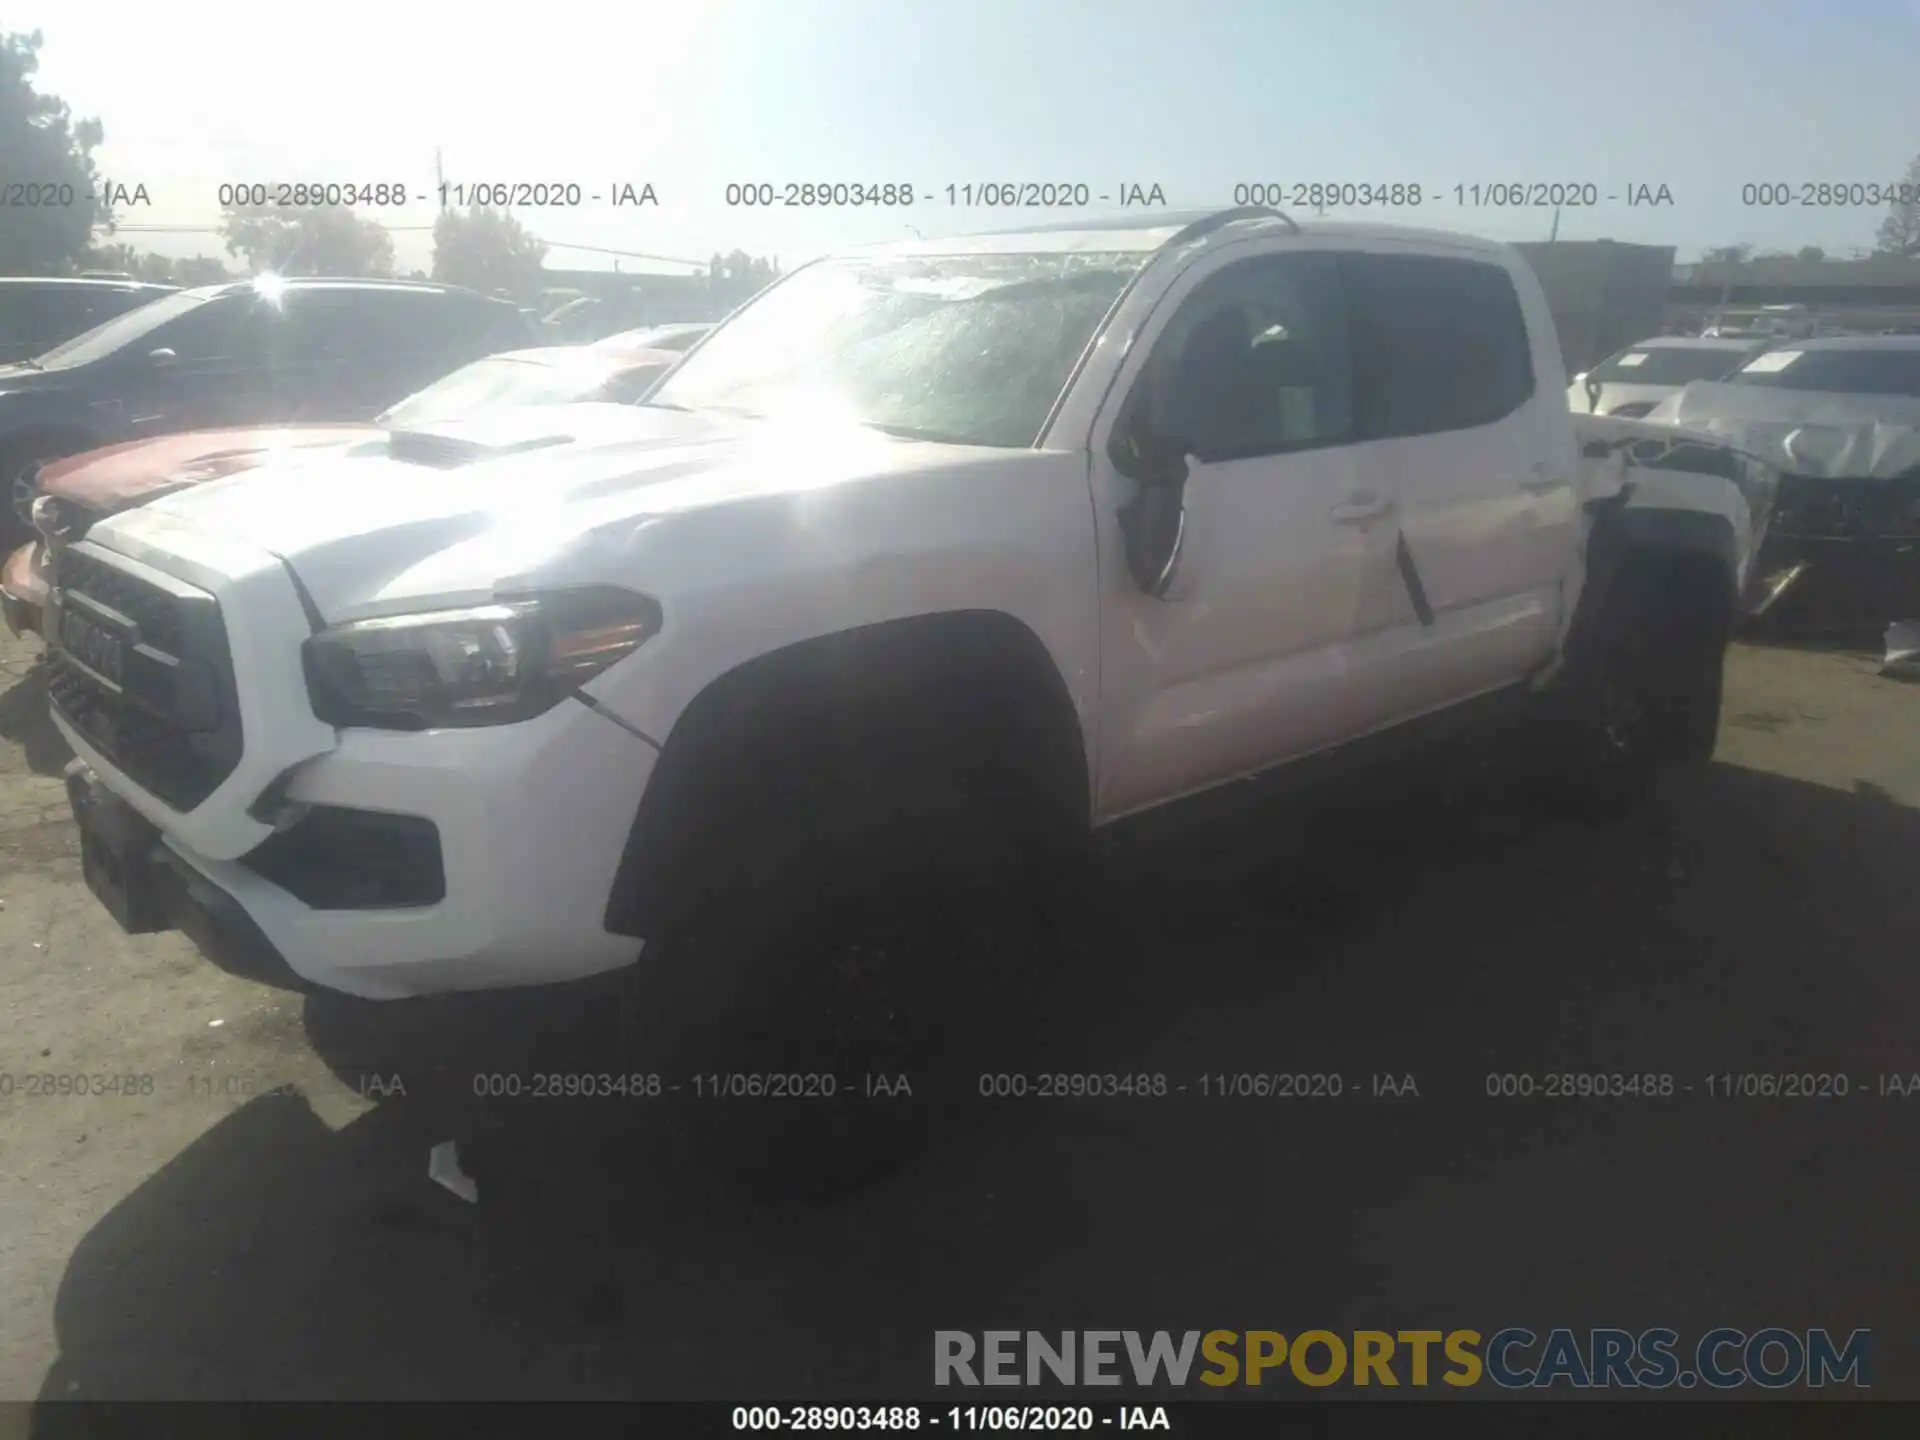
x=117, y=476
x=460, y=509
x=1805, y=432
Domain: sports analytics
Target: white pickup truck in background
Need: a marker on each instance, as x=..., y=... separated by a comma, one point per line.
x=931, y=561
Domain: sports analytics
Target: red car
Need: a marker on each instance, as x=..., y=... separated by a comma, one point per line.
x=68, y=495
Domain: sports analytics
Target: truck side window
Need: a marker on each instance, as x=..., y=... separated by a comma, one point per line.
x=1256, y=361
x=1440, y=344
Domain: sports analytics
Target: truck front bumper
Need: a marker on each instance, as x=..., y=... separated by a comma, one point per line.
x=148, y=887
x=527, y=824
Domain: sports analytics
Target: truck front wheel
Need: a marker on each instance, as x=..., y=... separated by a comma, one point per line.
x=866, y=954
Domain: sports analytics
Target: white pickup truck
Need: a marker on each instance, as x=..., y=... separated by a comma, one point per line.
x=931, y=560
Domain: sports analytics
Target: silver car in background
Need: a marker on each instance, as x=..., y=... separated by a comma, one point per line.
x=1840, y=419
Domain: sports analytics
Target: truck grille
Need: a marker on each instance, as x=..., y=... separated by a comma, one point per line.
x=148, y=607
x=140, y=666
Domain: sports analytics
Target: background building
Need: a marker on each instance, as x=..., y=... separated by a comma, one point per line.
x=1881, y=292
x=1604, y=294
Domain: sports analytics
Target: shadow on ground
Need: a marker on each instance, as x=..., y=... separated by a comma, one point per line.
x=25, y=721
x=1743, y=922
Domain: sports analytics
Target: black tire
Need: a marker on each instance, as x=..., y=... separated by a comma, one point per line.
x=15, y=529
x=884, y=930
x=1641, y=694
x=15, y=460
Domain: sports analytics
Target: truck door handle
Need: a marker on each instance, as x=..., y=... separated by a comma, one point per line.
x=1361, y=506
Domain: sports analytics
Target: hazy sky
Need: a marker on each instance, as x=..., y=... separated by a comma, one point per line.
x=1699, y=95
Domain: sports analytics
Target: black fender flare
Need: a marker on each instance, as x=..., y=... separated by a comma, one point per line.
x=1627, y=540
x=968, y=674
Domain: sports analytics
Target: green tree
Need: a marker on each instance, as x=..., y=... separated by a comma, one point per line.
x=117, y=256
x=1899, y=232
x=122, y=258
x=487, y=250
x=1810, y=254
x=324, y=240
x=200, y=270
x=1727, y=255
x=742, y=271
x=42, y=144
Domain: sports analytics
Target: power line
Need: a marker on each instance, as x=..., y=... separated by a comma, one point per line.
x=221, y=230
x=623, y=254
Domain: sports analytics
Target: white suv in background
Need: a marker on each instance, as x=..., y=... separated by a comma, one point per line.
x=1628, y=385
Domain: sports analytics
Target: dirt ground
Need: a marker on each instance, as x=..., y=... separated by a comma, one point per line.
x=246, y=1224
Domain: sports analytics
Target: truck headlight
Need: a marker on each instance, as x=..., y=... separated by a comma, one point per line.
x=484, y=665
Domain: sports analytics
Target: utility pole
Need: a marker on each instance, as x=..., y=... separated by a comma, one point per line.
x=1555, y=234
x=439, y=179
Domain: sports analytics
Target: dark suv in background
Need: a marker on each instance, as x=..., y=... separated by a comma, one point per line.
x=38, y=313
x=243, y=353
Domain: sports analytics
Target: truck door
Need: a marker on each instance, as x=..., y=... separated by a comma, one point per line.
x=1462, y=392
x=1286, y=557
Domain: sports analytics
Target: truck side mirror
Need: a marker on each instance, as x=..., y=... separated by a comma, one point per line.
x=1146, y=451
x=1153, y=523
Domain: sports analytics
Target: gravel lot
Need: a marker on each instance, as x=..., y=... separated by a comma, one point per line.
x=256, y=1227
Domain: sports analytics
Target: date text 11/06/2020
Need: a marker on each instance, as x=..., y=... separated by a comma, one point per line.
x=382, y=194
x=972, y=194
x=825, y=1086
x=711, y=1085
x=1720, y=1085
x=1474, y=195
x=1215, y=1085
x=960, y=1418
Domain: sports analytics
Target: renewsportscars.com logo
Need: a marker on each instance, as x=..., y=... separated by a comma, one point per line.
x=1512, y=1359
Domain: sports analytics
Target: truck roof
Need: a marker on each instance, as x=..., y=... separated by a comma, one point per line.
x=1151, y=230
